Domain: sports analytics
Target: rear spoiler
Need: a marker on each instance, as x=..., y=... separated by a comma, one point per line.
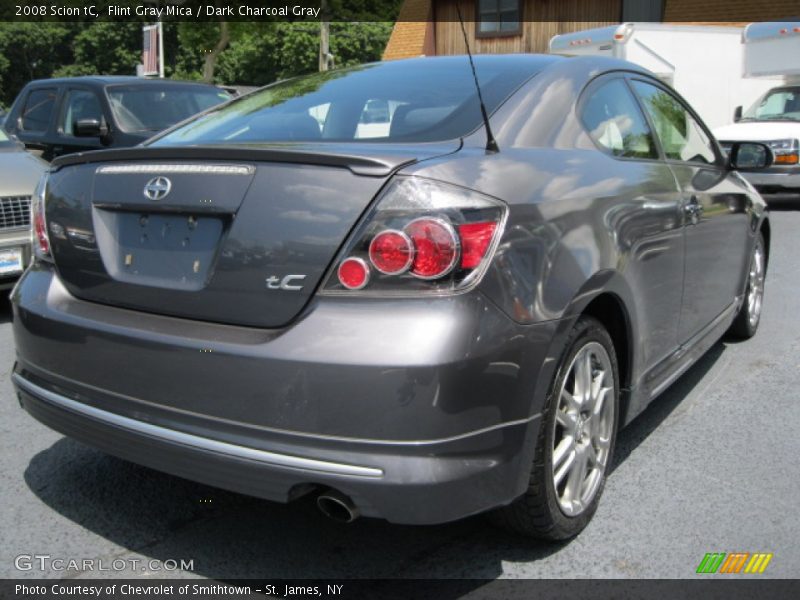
x=373, y=160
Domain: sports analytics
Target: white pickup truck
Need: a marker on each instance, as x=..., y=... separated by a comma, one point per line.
x=771, y=49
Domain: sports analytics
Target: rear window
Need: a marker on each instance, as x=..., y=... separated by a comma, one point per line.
x=404, y=101
x=153, y=108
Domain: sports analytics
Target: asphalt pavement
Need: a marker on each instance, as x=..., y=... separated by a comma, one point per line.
x=711, y=466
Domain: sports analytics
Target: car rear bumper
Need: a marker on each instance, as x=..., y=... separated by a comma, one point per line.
x=413, y=458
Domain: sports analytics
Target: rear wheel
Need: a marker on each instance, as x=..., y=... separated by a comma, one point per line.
x=746, y=322
x=576, y=440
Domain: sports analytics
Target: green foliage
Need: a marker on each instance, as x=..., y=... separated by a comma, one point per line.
x=105, y=48
x=258, y=53
x=31, y=51
x=275, y=51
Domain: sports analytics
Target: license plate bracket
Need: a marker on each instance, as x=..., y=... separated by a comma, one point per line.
x=173, y=251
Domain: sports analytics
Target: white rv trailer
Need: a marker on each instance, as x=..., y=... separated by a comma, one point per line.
x=703, y=63
x=772, y=49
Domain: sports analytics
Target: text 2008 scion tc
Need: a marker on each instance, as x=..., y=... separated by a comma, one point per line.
x=335, y=286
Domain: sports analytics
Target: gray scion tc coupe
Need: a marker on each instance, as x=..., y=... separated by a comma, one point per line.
x=338, y=286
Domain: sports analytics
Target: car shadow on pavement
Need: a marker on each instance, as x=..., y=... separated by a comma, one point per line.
x=658, y=410
x=230, y=536
x=784, y=202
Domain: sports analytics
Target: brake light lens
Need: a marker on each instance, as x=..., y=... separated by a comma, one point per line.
x=353, y=273
x=421, y=237
x=436, y=247
x=475, y=239
x=40, y=241
x=391, y=252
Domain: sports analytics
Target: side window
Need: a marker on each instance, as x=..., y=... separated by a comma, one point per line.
x=615, y=122
x=681, y=136
x=38, y=109
x=79, y=104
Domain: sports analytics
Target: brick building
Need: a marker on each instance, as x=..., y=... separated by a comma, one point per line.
x=431, y=27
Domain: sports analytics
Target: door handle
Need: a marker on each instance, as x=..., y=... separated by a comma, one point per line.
x=693, y=209
x=693, y=206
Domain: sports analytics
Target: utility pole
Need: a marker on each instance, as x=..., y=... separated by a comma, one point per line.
x=324, y=38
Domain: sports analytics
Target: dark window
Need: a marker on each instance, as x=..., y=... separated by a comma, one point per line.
x=150, y=108
x=498, y=17
x=80, y=104
x=616, y=123
x=681, y=136
x=38, y=109
x=404, y=101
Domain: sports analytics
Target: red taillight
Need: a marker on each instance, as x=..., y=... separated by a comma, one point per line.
x=475, y=240
x=353, y=273
x=40, y=229
x=421, y=237
x=39, y=242
x=435, y=245
x=391, y=252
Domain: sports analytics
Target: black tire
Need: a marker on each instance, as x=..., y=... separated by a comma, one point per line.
x=538, y=513
x=745, y=324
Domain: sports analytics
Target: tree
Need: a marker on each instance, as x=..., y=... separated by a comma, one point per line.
x=105, y=48
x=207, y=41
x=247, y=53
x=31, y=51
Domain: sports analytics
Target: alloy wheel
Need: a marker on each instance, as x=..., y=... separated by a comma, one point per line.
x=583, y=428
x=755, y=285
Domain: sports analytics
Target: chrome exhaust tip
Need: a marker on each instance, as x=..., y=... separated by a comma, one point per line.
x=337, y=506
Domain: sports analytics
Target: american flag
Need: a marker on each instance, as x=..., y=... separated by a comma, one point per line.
x=150, y=52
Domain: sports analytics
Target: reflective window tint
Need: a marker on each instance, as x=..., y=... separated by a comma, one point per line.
x=615, y=123
x=681, y=136
x=38, y=109
x=80, y=104
x=385, y=102
x=150, y=108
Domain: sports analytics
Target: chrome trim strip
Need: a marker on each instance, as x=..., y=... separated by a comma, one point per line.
x=176, y=168
x=194, y=441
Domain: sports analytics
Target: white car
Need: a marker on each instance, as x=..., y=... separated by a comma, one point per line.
x=774, y=120
x=20, y=171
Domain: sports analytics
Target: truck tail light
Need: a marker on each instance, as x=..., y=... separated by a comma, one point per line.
x=40, y=241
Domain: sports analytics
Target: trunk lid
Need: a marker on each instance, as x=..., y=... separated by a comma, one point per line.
x=231, y=235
